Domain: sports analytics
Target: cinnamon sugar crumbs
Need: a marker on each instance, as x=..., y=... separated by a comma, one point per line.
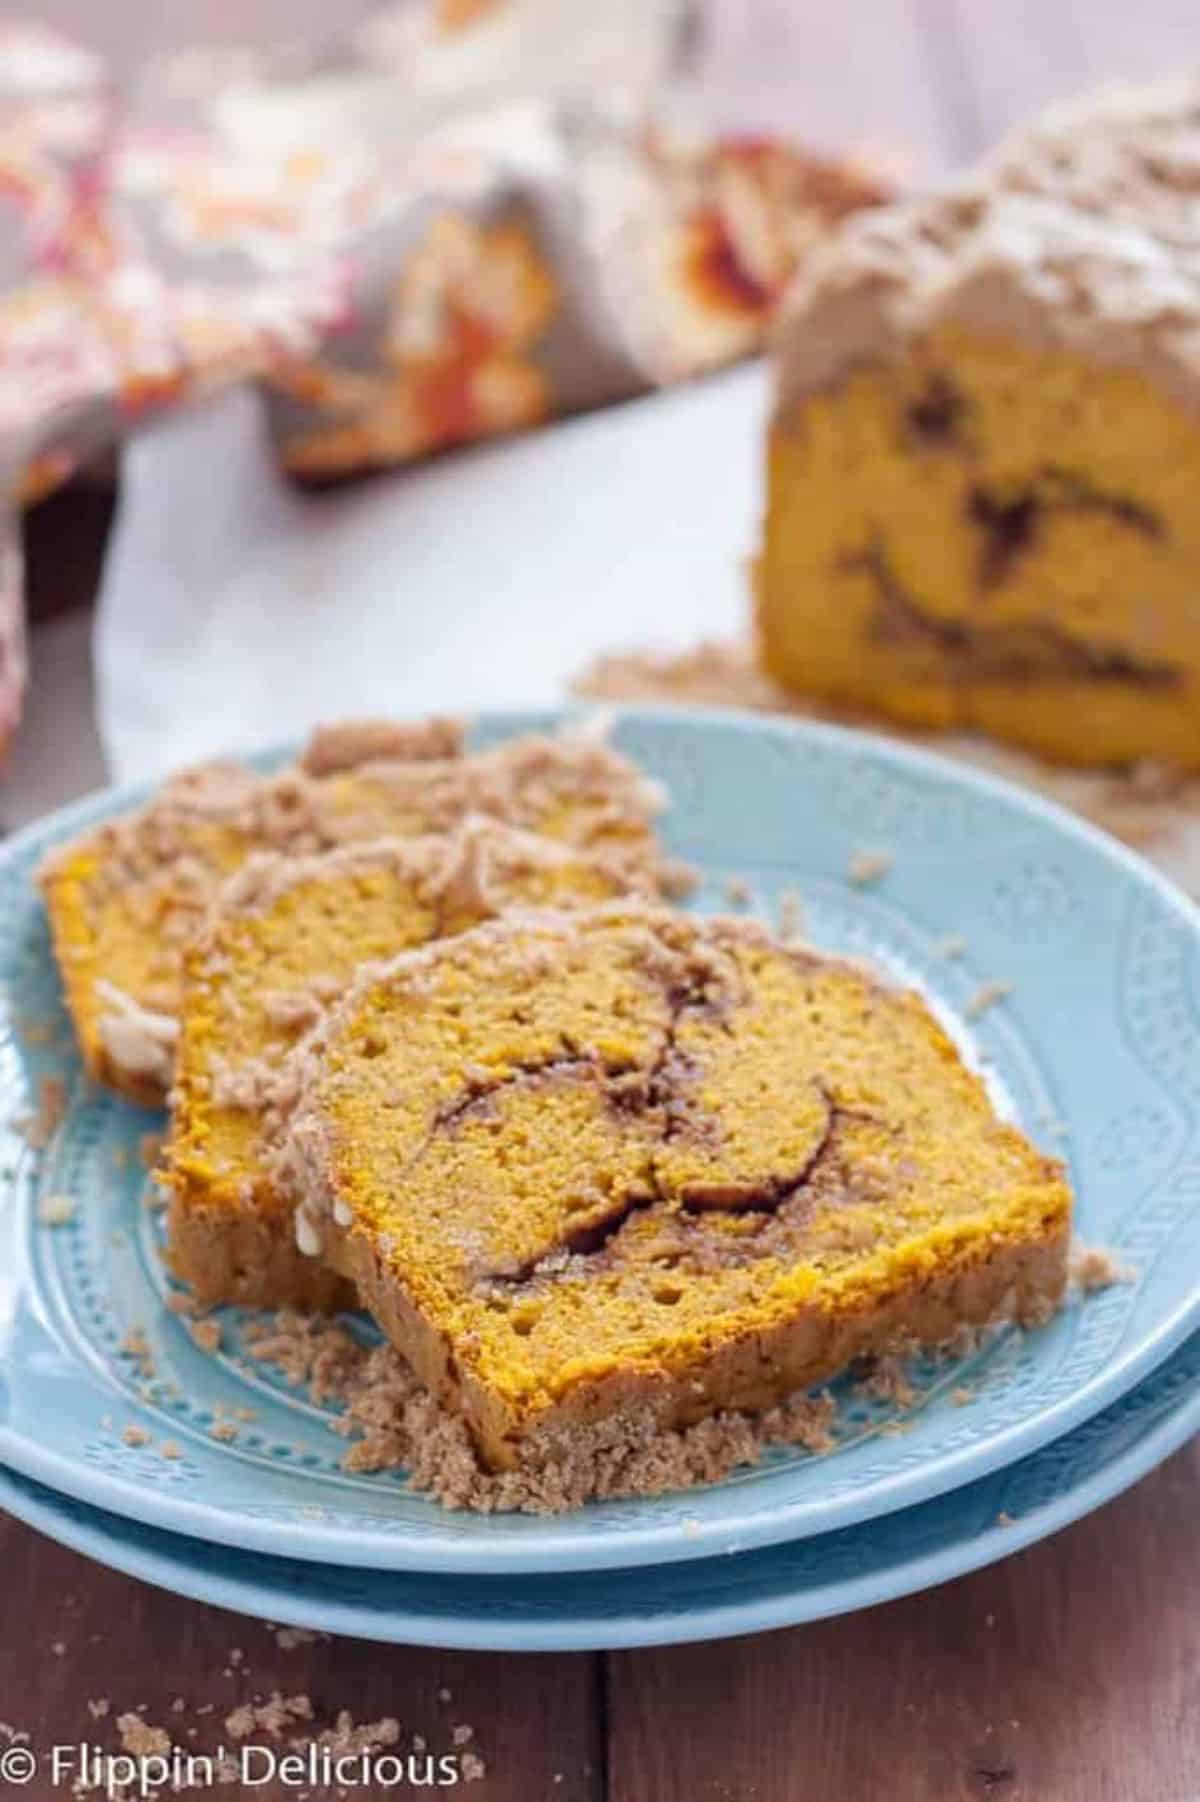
x=136, y=1347
x=394, y=1423
x=345, y=1738
x=345, y=744
x=55, y=1210
x=888, y=1381
x=150, y=1149
x=207, y=1334
x=1146, y=806
x=723, y=674
x=140, y=1739
x=866, y=867
x=307, y=1350
x=273, y=1717
x=676, y=879
x=1092, y=1269
x=288, y=1723
x=38, y=1129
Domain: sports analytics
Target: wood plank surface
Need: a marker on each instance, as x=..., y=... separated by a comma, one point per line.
x=1069, y=1673
x=74, y=1633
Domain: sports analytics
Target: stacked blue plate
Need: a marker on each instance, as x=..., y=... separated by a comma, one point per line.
x=1095, y=1050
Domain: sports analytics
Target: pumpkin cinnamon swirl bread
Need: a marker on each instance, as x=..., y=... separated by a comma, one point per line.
x=632, y=1160
x=283, y=942
x=986, y=447
x=125, y=900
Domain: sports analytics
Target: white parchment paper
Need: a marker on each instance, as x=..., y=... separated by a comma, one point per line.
x=236, y=611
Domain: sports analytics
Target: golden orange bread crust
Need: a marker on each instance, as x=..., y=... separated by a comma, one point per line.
x=960, y=540
x=986, y=444
x=632, y=1158
x=283, y=942
x=124, y=901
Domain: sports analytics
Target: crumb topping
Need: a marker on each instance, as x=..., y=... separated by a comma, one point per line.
x=126, y=899
x=1081, y=228
x=347, y=744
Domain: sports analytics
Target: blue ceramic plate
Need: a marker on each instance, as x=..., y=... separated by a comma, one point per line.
x=709, y=1598
x=1099, y=1040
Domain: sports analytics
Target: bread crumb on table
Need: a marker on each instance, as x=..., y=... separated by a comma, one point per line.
x=273, y=1717
x=140, y=1739
x=288, y=1638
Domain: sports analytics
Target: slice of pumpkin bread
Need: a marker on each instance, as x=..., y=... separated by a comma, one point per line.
x=125, y=900
x=986, y=446
x=631, y=1160
x=280, y=945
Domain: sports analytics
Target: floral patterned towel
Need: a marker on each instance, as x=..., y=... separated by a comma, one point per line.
x=433, y=232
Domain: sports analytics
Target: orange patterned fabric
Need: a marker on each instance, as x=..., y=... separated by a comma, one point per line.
x=400, y=275
x=455, y=358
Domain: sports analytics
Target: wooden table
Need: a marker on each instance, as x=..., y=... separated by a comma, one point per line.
x=1069, y=1673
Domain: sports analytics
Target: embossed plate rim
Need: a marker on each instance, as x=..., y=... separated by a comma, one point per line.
x=299, y=1593
x=579, y=1543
